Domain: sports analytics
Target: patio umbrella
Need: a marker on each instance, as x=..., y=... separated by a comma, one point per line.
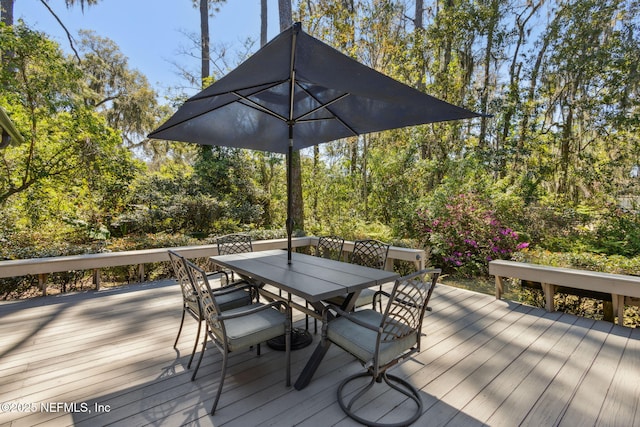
x=296, y=92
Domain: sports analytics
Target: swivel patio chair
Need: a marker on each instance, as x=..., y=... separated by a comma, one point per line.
x=239, y=328
x=380, y=340
x=229, y=244
x=230, y=297
x=369, y=253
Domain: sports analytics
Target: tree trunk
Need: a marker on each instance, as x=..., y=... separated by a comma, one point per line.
x=204, y=34
x=284, y=11
x=263, y=22
x=7, y=12
x=419, y=13
x=484, y=100
x=513, y=96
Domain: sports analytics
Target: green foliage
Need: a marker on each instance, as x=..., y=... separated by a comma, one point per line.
x=617, y=233
x=123, y=96
x=161, y=203
x=226, y=175
x=71, y=166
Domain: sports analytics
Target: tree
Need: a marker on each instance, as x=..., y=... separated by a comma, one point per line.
x=68, y=147
x=205, y=6
x=263, y=22
x=122, y=95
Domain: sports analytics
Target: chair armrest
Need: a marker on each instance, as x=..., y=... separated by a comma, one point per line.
x=335, y=308
x=378, y=296
x=401, y=301
x=274, y=304
x=214, y=272
x=234, y=287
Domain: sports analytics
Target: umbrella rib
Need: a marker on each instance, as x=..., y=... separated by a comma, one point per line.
x=325, y=106
x=320, y=107
x=261, y=88
x=235, y=93
x=256, y=106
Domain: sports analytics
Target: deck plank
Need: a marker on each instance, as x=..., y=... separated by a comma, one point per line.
x=483, y=362
x=621, y=403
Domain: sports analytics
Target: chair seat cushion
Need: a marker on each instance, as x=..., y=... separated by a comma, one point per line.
x=361, y=342
x=245, y=331
x=365, y=297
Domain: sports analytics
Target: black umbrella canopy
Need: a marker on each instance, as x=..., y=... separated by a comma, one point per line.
x=300, y=82
x=296, y=92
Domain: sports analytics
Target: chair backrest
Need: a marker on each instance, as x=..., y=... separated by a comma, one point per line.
x=210, y=308
x=407, y=304
x=370, y=253
x=234, y=244
x=189, y=293
x=330, y=247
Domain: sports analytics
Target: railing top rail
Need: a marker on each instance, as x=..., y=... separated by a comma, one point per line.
x=23, y=267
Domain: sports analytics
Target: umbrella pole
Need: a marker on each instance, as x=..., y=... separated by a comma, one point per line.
x=289, y=193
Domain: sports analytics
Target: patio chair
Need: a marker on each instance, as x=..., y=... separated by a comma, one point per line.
x=330, y=247
x=380, y=340
x=232, y=296
x=369, y=253
x=239, y=328
x=229, y=244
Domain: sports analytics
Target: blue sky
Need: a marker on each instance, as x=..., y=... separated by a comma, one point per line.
x=151, y=32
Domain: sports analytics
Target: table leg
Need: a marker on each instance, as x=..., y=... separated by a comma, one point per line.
x=312, y=365
x=350, y=301
x=321, y=350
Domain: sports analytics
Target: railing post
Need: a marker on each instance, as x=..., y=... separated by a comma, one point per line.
x=42, y=281
x=96, y=278
x=549, y=291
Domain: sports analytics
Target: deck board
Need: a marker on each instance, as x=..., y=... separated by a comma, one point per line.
x=483, y=362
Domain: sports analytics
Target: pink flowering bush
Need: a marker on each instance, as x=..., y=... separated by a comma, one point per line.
x=464, y=234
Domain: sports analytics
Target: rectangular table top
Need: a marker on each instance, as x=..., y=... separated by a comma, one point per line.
x=312, y=278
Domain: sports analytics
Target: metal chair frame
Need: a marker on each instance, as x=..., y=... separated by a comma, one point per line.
x=330, y=247
x=191, y=302
x=402, y=319
x=229, y=244
x=370, y=253
x=190, y=299
x=216, y=325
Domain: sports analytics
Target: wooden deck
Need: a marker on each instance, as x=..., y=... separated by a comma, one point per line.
x=484, y=362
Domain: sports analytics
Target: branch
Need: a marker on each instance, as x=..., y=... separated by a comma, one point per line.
x=69, y=36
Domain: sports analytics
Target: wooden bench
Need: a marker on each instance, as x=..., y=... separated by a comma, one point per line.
x=622, y=288
x=42, y=267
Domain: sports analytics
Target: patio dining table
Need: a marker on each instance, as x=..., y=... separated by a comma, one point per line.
x=312, y=278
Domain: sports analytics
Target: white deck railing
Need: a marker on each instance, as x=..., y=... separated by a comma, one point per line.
x=623, y=288
x=44, y=266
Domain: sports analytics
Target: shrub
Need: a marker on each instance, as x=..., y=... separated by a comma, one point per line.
x=464, y=235
x=617, y=232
